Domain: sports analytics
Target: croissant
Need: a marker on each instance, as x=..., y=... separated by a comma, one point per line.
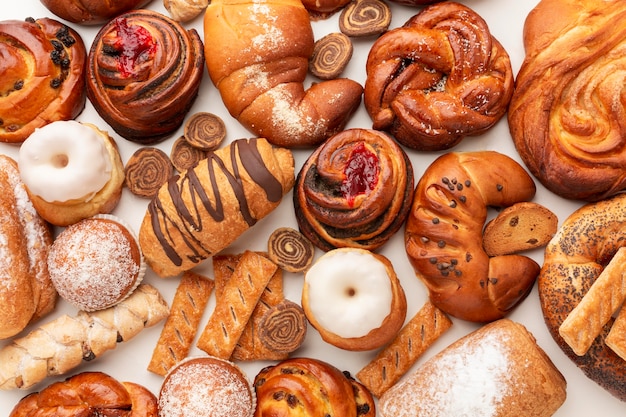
x=204, y=209
x=89, y=394
x=43, y=76
x=355, y=190
x=311, y=388
x=444, y=240
x=143, y=74
x=91, y=12
x=61, y=345
x=437, y=79
x=27, y=292
x=567, y=114
x=257, y=54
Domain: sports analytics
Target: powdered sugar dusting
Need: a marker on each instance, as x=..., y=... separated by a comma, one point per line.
x=91, y=264
x=271, y=36
x=290, y=117
x=206, y=387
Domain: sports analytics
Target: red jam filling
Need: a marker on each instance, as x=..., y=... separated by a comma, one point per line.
x=360, y=173
x=132, y=42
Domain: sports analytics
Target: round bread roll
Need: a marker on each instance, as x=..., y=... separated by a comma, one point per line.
x=96, y=263
x=206, y=387
x=72, y=171
x=444, y=235
x=354, y=299
x=574, y=258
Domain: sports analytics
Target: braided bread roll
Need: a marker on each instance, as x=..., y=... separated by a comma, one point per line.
x=444, y=235
x=143, y=74
x=257, y=54
x=26, y=290
x=91, y=12
x=203, y=210
x=61, y=345
x=355, y=190
x=43, y=75
x=89, y=394
x=567, y=114
x=310, y=388
x=437, y=79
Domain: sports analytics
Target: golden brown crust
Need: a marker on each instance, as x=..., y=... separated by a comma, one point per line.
x=88, y=393
x=144, y=100
x=444, y=234
x=43, y=76
x=26, y=291
x=267, y=95
x=185, y=10
x=392, y=362
x=437, y=79
x=487, y=372
x=316, y=388
x=180, y=328
x=575, y=257
x=523, y=226
x=572, y=144
x=202, y=211
x=338, y=206
x=91, y=12
x=64, y=213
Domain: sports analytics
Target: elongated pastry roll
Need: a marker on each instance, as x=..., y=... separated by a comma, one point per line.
x=203, y=210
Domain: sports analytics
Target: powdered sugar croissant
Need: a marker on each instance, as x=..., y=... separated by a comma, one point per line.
x=257, y=55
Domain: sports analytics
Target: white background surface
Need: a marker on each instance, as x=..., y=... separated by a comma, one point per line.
x=129, y=360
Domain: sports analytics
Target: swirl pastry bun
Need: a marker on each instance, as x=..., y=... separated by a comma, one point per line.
x=143, y=74
x=43, y=75
x=440, y=77
x=354, y=299
x=310, y=387
x=444, y=235
x=26, y=291
x=355, y=190
x=91, y=12
x=566, y=116
x=72, y=171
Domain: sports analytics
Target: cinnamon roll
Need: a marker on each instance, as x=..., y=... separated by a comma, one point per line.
x=42, y=75
x=437, y=79
x=354, y=191
x=144, y=71
x=568, y=111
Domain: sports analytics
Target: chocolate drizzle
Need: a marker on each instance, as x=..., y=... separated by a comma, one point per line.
x=186, y=222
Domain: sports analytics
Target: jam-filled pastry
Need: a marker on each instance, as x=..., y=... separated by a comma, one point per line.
x=355, y=190
x=42, y=76
x=567, y=114
x=143, y=74
x=438, y=79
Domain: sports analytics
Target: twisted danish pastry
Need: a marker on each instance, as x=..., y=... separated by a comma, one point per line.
x=143, y=74
x=437, y=79
x=444, y=238
x=43, y=76
x=355, y=190
x=257, y=54
x=567, y=114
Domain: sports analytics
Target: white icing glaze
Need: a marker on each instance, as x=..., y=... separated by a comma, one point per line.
x=349, y=292
x=63, y=161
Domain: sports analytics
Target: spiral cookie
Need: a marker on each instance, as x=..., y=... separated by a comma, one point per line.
x=205, y=131
x=147, y=170
x=354, y=191
x=185, y=156
x=331, y=55
x=437, y=79
x=43, y=75
x=144, y=72
x=365, y=18
x=290, y=249
x=283, y=327
x=566, y=116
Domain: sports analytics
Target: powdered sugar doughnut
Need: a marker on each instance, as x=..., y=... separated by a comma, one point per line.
x=96, y=263
x=72, y=171
x=354, y=299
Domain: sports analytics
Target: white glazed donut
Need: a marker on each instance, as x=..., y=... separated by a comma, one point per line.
x=71, y=166
x=354, y=299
